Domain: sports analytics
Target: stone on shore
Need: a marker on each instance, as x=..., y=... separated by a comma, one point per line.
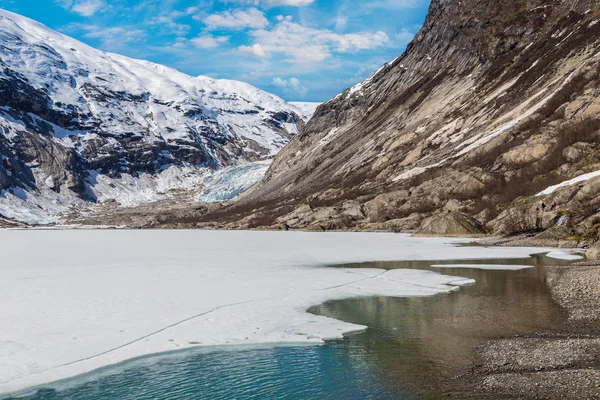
x=593, y=252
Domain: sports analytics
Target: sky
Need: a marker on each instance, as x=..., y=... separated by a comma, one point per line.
x=301, y=50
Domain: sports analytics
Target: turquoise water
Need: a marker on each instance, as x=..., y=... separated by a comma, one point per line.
x=414, y=348
x=332, y=371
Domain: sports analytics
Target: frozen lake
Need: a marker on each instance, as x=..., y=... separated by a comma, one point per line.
x=74, y=301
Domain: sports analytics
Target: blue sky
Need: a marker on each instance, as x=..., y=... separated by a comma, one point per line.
x=305, y=50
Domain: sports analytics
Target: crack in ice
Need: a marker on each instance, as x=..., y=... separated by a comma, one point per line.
x=188, y=320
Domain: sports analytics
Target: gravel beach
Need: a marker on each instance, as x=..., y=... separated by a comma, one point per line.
x=563, y=364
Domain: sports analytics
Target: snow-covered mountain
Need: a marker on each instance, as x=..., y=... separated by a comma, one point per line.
x=73, y=118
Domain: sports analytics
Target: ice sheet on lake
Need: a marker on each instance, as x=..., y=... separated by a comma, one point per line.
x=564, y=255
x=74, y=301
x=497, y=267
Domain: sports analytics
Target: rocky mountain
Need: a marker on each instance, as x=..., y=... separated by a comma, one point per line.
x=78, y=125
x=490, y=105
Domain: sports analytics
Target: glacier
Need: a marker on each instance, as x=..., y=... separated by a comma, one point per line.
x=229, y=183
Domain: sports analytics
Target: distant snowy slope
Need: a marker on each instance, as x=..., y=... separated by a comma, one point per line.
x=71, y=115
x=306, y=108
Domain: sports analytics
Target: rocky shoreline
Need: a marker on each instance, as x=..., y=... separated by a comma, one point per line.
x=563, y=364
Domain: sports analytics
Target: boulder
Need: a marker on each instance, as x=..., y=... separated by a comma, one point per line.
x=353, y=209
x=529, y=152
x=385, y=206
x=576, y=152
x=452, y=223
x=467, y=186
x=407, y=224
x=593, y=252
x=589, y=191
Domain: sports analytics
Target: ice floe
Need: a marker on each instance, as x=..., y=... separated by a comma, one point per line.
x=564, y=255
x=485, y=266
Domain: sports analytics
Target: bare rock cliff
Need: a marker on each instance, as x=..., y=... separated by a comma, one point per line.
x=491, y=104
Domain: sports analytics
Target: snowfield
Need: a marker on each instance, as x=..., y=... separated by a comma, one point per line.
x=74, y=301
x=579, y=179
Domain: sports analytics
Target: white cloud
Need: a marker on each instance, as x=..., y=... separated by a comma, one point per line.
x=403, y=38
x=273, y=3
x=164, y=17
x=111, y=38
x=87, y=8
x=180, y=43
x=394, y=4
x=299, y=43
x=290, y=86
x=341, y=22
x=237, y=19
x=66, y=4
x=169, y=21
x=255, y=50
x=361, y=41
x=294, y=3
x=209, y=41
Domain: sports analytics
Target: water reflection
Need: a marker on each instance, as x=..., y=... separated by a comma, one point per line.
x=426, y=342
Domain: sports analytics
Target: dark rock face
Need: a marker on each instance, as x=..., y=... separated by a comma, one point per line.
x=489, y=103
x=18, y=95
x=58, y=162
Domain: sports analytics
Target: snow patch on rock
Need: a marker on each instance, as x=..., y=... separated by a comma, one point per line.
x=579, y=179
